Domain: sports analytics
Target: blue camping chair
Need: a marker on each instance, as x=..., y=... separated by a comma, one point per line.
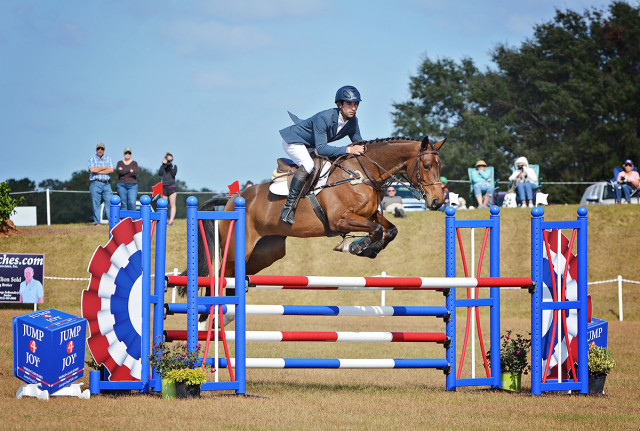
x=472, y=197
x=613, y=184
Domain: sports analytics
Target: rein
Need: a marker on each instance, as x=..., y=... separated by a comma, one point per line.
x=419, y=191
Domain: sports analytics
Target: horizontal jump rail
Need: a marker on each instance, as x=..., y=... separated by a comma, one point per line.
x=351, y=283
x=277, y=336
x=336, y=363
x=320, y=310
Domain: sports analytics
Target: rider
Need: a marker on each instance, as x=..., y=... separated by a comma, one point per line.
x=314, y=134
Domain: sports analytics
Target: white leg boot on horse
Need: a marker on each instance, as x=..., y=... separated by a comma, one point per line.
x=297, y=182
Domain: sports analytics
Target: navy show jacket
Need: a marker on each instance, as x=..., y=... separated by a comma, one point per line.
x=317, y=131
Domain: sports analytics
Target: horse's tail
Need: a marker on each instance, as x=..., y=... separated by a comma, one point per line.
x=209, y=231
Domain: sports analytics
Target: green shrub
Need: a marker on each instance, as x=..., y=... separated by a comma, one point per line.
x=188, y=375
x=600, y=360
x=7, y=203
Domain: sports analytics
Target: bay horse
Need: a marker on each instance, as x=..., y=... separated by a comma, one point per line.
x=349, y=206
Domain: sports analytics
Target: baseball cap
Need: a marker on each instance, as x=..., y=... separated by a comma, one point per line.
x=628, y=162
x=480, y=163
x=127, y=150
x=99, y=145
x=443, y=180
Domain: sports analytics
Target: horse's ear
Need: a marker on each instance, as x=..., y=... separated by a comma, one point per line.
x=425, y=144
x=438, y=145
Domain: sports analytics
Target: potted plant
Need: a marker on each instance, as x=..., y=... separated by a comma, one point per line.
x=166, y=358
x=514, y=354
x=188, y=381
x=601, y=363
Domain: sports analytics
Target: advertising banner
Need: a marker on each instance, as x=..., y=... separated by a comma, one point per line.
x=21, y=278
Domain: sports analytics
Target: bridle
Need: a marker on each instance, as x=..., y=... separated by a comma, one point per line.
x=379, y=185
x=421, y=186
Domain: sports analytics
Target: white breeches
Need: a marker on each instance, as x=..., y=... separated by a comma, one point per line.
x=299, y=154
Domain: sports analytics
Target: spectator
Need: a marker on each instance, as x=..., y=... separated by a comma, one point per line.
x=168, y=173
x=248, y=184
x=445, y=190
x=127, y=185
x=526, y=181
x=482, y=183
x=393, y=203
x=627, y=182
x=100, y=168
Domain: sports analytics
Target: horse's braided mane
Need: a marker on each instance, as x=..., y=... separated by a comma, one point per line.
x=378, y=140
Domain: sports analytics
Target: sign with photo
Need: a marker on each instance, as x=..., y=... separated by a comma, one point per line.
x=21, y=278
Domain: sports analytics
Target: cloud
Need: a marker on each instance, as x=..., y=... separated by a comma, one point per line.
x=189, y=37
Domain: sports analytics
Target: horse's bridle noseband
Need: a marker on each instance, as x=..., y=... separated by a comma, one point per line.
x=421, y=186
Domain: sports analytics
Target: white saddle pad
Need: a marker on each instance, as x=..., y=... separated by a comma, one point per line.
x=280, y=187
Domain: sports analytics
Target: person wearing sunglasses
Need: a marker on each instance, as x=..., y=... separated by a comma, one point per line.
x=100, y=169
x=393, y=203
x=168, y=173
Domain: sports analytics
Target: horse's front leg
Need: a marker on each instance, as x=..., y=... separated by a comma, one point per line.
x=368, y=246
x=390, y=230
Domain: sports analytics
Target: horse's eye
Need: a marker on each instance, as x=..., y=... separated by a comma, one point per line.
x=426, y=166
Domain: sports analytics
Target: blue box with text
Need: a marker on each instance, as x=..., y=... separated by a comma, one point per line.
x=48, y=348
x=597, y=332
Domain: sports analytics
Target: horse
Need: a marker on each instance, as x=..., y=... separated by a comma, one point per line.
x=350, y=202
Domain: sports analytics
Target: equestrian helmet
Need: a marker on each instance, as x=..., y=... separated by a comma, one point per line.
x=348, y=93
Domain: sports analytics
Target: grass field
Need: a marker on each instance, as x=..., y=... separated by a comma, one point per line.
x=354, y=399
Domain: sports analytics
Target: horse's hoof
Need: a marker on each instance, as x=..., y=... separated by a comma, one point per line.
x=343, y=246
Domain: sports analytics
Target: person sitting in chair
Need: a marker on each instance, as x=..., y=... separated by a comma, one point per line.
x=526, y=181
x=393, y=203
x=627, y=182
x=315, y=133
x=482, y=183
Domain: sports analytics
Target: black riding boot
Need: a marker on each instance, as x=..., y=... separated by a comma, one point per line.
x=297, y=182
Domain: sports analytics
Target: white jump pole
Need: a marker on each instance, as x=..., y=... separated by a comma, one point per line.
x=174, y=290
x=620, y=297
x=473, y=309
x=48, y=209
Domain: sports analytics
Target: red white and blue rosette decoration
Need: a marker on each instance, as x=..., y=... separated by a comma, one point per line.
x=112, y=304
x=559, y=260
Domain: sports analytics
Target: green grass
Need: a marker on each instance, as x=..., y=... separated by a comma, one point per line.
x=354, y=399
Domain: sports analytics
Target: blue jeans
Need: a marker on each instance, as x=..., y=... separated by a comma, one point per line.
x=525, y=191
x=128, y=194
x=99, y=192
x=623, y=188
x=480, y=188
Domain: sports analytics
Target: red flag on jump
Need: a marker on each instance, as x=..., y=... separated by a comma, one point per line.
x=234, y=188
x=156, y=191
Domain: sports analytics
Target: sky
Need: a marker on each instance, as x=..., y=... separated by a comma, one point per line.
x=211, y=81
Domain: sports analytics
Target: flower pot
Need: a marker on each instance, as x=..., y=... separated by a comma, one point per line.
x=596, y=383
x=168, y=389
x=511, y=381
x=187, y=391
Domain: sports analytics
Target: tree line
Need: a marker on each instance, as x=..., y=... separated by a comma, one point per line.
x=566, y=98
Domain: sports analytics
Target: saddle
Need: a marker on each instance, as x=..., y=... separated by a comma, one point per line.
x=287, y=167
